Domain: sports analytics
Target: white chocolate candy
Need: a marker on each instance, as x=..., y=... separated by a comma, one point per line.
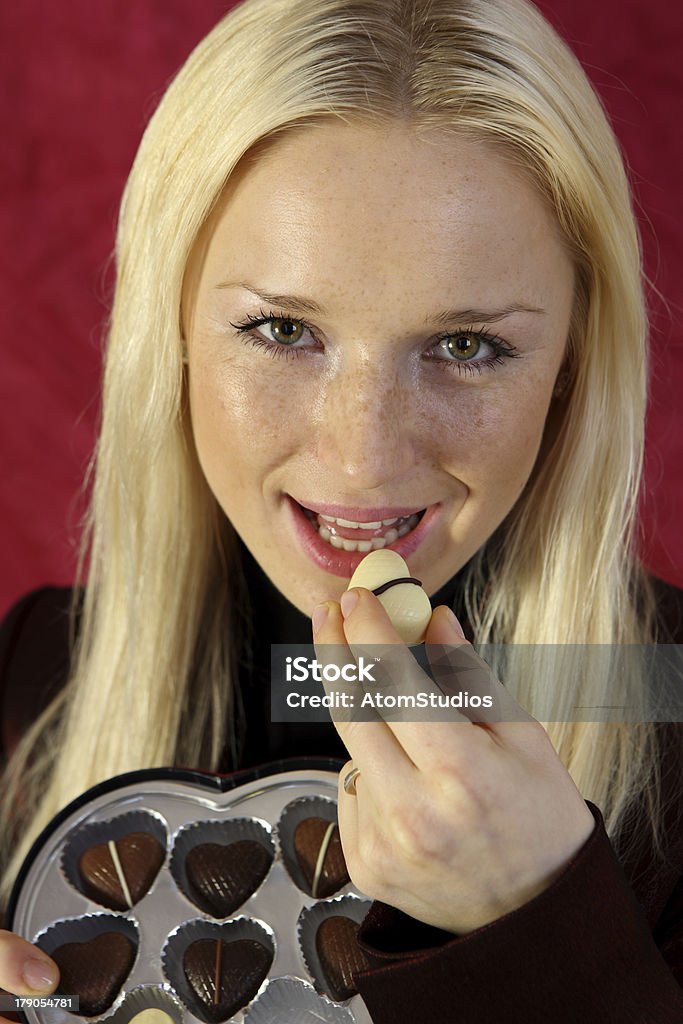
x=406, y=604
x=152, y=1016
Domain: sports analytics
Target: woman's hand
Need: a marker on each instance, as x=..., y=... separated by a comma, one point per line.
x=24, y=969
x=453, y=822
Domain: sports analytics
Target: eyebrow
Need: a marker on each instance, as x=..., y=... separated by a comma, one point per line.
x=300, y=304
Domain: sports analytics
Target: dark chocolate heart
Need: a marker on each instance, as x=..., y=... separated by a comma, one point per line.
x=309, y=835
x=140, y=856
x=340, y=955
x=225, y=976
x=94, y=971
x=220, y=878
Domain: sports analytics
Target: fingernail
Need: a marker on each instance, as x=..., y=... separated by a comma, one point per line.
x=319, y=615
x=349, y=600
x=39, y=974
x=453, y=622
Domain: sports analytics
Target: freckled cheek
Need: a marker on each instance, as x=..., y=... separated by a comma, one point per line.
x=241, y=421
x=491, y=442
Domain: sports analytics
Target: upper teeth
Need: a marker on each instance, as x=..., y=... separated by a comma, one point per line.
x=364, y=526
x=404, y=524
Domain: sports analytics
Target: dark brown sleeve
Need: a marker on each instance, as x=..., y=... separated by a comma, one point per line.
x=580, y=951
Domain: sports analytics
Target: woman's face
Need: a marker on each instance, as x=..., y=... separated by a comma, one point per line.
x=375, y=324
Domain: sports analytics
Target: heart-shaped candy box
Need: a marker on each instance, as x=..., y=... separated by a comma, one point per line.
x=177, y=897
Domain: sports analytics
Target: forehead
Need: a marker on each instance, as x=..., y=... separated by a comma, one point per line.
x=346, y=200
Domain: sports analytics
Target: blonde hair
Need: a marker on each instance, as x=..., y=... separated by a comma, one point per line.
x=151, y=680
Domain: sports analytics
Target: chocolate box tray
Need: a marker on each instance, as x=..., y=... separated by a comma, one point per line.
x=48, y=907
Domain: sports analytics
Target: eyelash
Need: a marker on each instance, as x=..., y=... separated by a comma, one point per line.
x=501, y=350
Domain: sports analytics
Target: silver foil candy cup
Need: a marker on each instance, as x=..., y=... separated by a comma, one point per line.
x=143, y=999
x=226, y=884
x=292, y=1001
x=310, y=920
x=83, y=839
x=292, y=816
x=201, y=989
x=93, y=976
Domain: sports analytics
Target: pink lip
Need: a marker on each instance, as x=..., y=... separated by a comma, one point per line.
x=361, y=515
x=344, y=563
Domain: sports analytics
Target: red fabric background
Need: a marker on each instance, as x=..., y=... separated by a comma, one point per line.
x=80, y=79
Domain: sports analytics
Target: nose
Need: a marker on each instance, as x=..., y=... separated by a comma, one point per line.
x=367, y=428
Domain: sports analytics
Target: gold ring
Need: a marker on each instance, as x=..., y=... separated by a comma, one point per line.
x=349, y=782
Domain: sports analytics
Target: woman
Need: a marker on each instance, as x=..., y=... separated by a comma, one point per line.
x=378, y=262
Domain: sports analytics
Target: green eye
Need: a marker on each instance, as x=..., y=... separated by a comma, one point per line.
x=286, y=331
x=463, y=345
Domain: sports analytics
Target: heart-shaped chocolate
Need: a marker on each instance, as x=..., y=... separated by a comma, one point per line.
x=118, y=873
x=336, y=942
x=94, y=971
x=318, y=850
x=220, y=878
x=225, y=976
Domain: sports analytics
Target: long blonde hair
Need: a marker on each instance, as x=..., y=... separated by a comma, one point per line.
x=153, y=667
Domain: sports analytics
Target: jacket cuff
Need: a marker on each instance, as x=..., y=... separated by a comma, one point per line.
x=580, y=950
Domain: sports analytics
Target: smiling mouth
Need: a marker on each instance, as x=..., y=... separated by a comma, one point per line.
x=346, y=535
